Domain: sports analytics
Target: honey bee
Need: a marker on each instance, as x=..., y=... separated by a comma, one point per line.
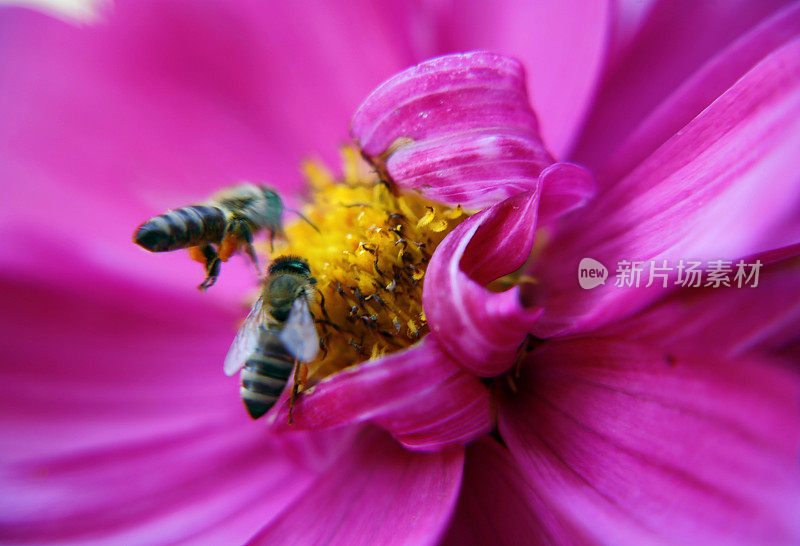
x=214, y=231
x=277, y=336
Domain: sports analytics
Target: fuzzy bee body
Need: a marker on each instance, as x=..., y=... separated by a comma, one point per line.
x=214, y=231
x=277, y=336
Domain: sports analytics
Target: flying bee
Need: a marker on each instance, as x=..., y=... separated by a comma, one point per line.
x=228, y=220
x=277, y=336
x=214, y=231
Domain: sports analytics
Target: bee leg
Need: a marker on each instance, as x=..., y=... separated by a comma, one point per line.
x=300, y=376
x=196, y=253
x=250, y=249
x=323, y=345
x=238, y=234
x=212, y=263
x=230, y=241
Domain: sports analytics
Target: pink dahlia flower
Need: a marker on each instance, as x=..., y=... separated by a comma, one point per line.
x=662, y=131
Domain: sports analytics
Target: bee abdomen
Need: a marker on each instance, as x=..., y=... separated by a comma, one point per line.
x=257, y=404
x=185, y=227
x=263, y=380
x=262, y=384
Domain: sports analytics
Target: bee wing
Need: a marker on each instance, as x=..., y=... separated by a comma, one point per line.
x=246, y=341
x=299, y=335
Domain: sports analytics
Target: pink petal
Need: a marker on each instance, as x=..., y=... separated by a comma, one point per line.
x=699, y=196
x=82, y=369
x=628, y=19
x=498, y=506
x=673, y=41
x=419, y=395
x=702, y=88
x=633, y=449
x=763, y=318
x=455, y=127
x=376, y=493
x=480, y=329
x=219, y=484
x=779, y=256
x=562, y=46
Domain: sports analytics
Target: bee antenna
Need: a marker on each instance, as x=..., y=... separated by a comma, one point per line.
x=309, y=222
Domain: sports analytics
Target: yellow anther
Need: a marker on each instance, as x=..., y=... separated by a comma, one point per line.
x=452, y=214
x=377, y=351
x=438, y=225
x=427, y=219
x=405, y=209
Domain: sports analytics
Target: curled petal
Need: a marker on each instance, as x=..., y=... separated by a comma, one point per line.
x=565, y=187
x=476, y=168
x=419, y=395
x=443, y=96
x=633, y=448
x=458, y=128
x=480, y=329
x=376, y=493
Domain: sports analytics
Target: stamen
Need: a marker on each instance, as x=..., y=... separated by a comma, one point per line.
x=369, y=258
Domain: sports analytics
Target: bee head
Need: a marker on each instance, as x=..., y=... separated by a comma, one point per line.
x=289, y=277
x=271, y=196
x=268, y=191
x=290, y=264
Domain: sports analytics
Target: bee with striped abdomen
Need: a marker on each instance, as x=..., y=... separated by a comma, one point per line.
x=277, y=336
x=214, y=231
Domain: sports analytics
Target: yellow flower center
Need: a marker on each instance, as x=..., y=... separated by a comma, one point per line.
x=369, y=258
